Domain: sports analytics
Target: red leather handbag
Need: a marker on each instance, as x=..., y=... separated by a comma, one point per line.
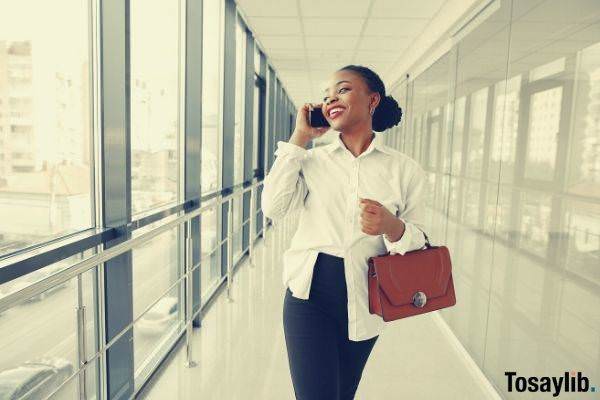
x=415, y=283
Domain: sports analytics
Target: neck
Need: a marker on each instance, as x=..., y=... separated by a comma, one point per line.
x=358, y=138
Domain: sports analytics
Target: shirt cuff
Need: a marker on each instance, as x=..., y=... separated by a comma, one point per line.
x=401, y=245
x=286, y=148
x=412, y=239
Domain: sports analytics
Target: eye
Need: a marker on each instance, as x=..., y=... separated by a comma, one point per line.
x=339, y=91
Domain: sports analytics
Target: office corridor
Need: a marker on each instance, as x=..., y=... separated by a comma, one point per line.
x=135, y=165
x=240, y=350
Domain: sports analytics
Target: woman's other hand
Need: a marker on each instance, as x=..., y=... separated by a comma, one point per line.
x=375, y=219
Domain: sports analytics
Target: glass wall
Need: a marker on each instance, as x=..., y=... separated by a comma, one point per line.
x=238, y=143
x=506, y=125
x=154, y=104
x=392, y=136
x=551, y=194
x=154, y=173
x=39, y=335
x=156, y=268
x=46, y=186
x=259, y=118
x=212, y=83
x=106, y=82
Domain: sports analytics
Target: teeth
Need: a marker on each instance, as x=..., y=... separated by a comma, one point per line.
x=334, y=111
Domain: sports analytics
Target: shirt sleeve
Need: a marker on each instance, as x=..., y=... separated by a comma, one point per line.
x=413, y=217
x=284, y=188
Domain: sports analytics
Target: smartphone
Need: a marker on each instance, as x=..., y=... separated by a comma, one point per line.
x=316, y=118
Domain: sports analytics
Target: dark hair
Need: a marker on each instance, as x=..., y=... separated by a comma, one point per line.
x=387, y=113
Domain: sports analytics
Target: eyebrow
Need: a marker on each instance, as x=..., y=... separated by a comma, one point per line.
x=325, y=90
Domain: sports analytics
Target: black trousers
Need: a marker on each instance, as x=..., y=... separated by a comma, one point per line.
x=324, y=363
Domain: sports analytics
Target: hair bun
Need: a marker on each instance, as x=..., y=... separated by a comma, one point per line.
x=387, y=114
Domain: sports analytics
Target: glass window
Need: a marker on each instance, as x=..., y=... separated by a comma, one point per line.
x=238, y=144
x=546, y=70
x=154, y=104
x=154, y=175
x=155, y=269
x=506, y=123
x=434, y=133
x=546, y=237
x=584, y=170
x=212, y=26
x=480, y=63
x=544, y=119
x=581, y=219
x=45, y=136
x=534, y=221
x=477, y=126
x=210, y=270
x=39, y=335
x=256, y=59
x=240, y=76
x=211, y=93
x=255, y=125
x=256, y=108
x=504, y=130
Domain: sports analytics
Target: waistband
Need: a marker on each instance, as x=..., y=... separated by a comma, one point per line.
x=325, y=257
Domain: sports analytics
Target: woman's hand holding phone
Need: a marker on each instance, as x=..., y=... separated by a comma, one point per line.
x=303, y=133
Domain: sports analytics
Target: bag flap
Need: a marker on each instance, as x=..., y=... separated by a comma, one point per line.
x=401, y=276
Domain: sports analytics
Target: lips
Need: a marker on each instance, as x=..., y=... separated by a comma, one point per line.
x=335, y=112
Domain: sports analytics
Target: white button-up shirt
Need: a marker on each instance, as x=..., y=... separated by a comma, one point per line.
x=324, y=184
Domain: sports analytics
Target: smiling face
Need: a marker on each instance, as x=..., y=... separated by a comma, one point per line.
x=347, y=100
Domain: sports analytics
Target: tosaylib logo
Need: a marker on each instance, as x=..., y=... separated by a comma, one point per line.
x=573, y=382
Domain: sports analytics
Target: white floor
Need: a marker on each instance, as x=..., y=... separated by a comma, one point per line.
x=240, y=350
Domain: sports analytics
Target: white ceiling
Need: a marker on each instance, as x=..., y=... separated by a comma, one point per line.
x=307, y=40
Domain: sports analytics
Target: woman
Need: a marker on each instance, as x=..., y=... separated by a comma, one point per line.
x=358, y=198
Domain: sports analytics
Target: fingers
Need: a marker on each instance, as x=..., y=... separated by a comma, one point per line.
x=369, y=210
x=311, y=106
x=367, y=225
x=303, y=110
x=369, y=205
x=369, y=201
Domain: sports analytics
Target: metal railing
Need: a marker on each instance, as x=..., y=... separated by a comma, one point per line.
x=13, y=266
x=90, y=240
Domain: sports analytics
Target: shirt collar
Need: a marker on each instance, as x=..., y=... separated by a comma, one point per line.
x=377, y=144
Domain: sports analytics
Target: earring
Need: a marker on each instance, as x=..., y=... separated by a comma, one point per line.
x=371, y=111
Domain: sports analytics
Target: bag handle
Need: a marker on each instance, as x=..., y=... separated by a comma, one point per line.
x=427, y=243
